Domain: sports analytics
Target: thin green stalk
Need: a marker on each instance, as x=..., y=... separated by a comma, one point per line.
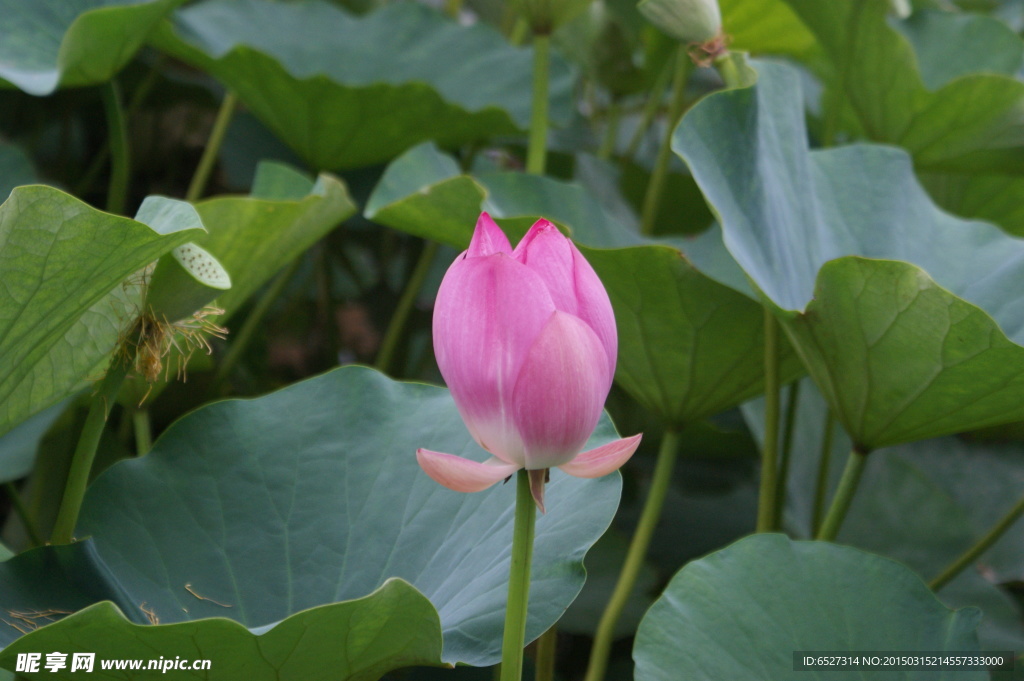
x=518, y=581
x=242, y=339
x=85, y=452
x=844, y=496
x=138, y=96
x=547, y=646
x=605, y=634
x=973, y=553
x=651, y=107
x=787, y=447
x=767, y=501
x=652, y=199
x=143, y=431
x=726, y=68
x=536, y=151
x=23, y=514
x=396, y=327
x=117, y=129
x=209, y=157
x=611, y=132
x=824, y=463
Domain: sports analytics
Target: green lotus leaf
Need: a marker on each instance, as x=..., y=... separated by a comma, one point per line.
x=302, y=68
x=63, y=306
x=905, y=337
x=69, y=43
x=747, y=610
x=260, y=510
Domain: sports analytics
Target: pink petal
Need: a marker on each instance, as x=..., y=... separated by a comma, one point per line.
x=560, y=391
x=463, y=475
x=574, y=285
x=488, y=238
x=604, y=459
x=488, y=313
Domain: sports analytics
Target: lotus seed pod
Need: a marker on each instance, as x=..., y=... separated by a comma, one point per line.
x=689, y=21
x=183, y=282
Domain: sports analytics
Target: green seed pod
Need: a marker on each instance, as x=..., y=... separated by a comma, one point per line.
x=544, y=16
x=689, y=21
x=183, y=282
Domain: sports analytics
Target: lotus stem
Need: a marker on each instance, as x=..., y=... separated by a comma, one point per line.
x=209, y=157
x=844, y=496
x=767, y=501
x=652, y=199
x=536, y=151
x=787, y=446
x=85, y=452
x=973, y=553
x=117, y=130
x=514, y=639
x=388, y=347
x=824, y=463
x=605, y=634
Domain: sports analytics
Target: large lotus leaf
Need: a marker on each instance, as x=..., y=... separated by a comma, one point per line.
x=63, y=306
x=346, y=92
x=69, y=43
x=258, y=509
x=253, y=237
x=15, y=169
x=744, y=611
x=768, y=26
x=689, y=346
x=985, y=45
x=355, y=640
x=899, y=354
x=966, y=136
x=919, y=503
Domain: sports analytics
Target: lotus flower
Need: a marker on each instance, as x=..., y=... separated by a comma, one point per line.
x=526, y=342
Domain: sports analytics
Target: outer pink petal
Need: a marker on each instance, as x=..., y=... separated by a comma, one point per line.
x=560, y=391
x=604, y=459
x=463, y=475
x=574, y=285
x=488, y=313
x=488, y=238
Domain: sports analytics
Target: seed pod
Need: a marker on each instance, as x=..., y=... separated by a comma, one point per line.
x=689, y=21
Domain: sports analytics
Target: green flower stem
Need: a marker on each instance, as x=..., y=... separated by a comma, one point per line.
x=117, y=129
x=767, y=502
x=518, y=581
x=209, y=157
x=396, y=327
x=611, y=132
x=651, y=107
x=726, y=68
x=85, y=452
x=536, y=151
x=143, y=431
x=824, y=463
x=605, y=634
x=254, y=321
x=103, y=154
x=844, y=495
x=787, y=446
x=973, y=553
x=23, y=514
x=652, y=199
x=547, y=645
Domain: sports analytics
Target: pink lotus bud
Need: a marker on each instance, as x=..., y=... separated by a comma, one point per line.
x=526, y=342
